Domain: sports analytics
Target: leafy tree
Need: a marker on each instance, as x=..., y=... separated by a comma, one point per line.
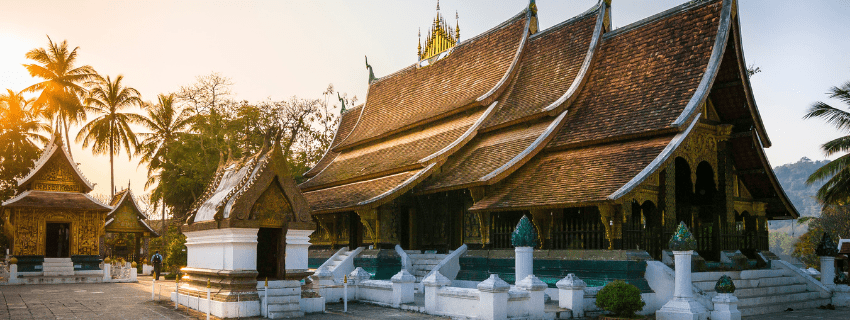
x=837, y=173
x=111, y=131
x=834, y=220
x=781, y=243
x=63, y=85
x=20, y=130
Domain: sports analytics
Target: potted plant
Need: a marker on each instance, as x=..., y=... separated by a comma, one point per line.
x=621, y=299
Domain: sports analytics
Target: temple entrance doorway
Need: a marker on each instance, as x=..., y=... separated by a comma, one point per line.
x=270, y=260
x=58, y=241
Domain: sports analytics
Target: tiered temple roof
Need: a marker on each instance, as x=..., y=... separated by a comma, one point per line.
x=575, y=114
x=126, y=215
x=55, y=182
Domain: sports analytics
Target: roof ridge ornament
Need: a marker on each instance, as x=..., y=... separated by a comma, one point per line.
x=341, y=101
x=371, y=73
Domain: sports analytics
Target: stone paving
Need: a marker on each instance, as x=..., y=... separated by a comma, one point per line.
x=838, y=313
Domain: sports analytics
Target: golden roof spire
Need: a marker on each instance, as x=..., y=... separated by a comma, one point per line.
x=440, y=38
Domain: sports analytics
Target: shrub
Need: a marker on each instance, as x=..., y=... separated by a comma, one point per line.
x=620, y=298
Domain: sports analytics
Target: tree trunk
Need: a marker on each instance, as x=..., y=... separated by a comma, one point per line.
x=111, y=167
x=67, y=140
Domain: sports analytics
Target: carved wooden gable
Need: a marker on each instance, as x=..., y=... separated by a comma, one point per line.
x=272, y=209
x=126, y=217
x=56, y=175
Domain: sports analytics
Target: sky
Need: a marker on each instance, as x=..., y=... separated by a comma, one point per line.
x=279, y=49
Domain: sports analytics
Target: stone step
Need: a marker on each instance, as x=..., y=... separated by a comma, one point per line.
x=61, y=279
x=782, y=306
x=57, y=260
x=777, y=298
x=287, y=314
x=736, y=275
x=59, y=273
x=762, y=291
x=754, y=283
x=283, y=307
x=283, y=291
x=284, y=299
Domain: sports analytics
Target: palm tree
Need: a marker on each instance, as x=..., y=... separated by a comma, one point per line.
x=63, y=85
x=166, y=124
x=836, y=190
x=111, y=130
x=19, y=133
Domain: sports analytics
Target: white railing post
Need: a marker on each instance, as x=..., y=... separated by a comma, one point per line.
x=432, y=284
x=493, y=298
x=266, y=296
x=209, y=302
x=683, y=305
x=571, y=294
x=177, y=291
x=402, y=288
x=153, y=288
x=536, y=302
x=345, y=293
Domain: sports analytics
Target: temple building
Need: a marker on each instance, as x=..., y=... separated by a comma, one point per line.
x=53, y=216
x=127, y=219
x=606, y=138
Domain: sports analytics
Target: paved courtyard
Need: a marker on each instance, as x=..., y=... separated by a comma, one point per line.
x=133, y=301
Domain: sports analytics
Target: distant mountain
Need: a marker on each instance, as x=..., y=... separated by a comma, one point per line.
x=793, y=177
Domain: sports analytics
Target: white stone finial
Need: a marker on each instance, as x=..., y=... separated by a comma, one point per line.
x=436, y=279
x=403, y=277
x=532, y=283
x=359, y=274
x=494, y=284
x=571, y=282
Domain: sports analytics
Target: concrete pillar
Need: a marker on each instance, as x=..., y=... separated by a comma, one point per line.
x=493, y=298
x=402, y=288
x=432, y=283
x=827, y=271
x=725, y=307
x=297, y=242
x=683, y=305
x=107, y=272
x=571, y=294
x=13, y=273
x=523, y=262
x=536, y=303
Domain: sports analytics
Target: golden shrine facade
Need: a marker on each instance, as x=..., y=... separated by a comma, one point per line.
x=52, y=215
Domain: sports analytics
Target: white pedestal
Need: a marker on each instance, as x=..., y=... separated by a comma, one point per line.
x=147, y=269
x=222, y=249
x=725, y=307
x=827, y=271
x=683, y=305
x=297, y=243
x=107, y=272
x=524, y=262
x=571, y=294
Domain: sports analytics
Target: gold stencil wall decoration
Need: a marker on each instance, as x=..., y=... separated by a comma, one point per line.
x=31, y=223
x=29, y=233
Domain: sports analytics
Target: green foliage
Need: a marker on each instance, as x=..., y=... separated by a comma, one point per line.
x=835, y=221
x=782, y=243
x=836, y=173
x=172, y=248
x=621, y=298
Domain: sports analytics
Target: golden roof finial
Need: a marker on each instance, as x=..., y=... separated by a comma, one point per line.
x=457, y=26
x=438, y=6
x=440, y=38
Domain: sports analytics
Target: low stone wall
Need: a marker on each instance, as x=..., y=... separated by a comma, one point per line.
x=457, y=302
x=375, y=291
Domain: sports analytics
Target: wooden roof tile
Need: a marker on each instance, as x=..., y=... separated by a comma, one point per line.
x=573, y=176
x=347, y=196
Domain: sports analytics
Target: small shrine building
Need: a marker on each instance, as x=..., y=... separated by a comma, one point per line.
x=607, y=138
x=53, y=216
x=126, y=218
x=251, y=223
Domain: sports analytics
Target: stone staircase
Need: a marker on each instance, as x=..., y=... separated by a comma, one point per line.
x=55, y=267
x=284, y=299
x=342, y=262
x=764, y=291
x=423, y=263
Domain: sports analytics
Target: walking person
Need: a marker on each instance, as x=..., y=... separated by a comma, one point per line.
x=156, y=259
